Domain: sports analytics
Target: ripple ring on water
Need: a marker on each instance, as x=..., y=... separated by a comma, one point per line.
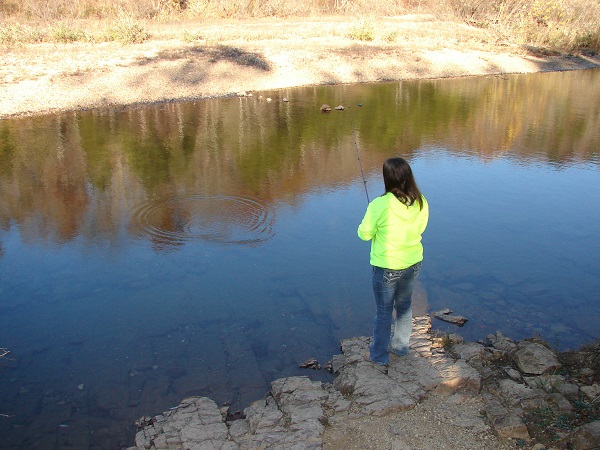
x=224, y=219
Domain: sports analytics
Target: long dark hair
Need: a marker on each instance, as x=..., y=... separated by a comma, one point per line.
x=399, y=180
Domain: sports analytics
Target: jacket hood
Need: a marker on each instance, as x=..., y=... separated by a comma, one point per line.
x=402, y=211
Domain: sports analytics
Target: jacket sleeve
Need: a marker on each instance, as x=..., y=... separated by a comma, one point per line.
x=425, y=218
x=368, y=226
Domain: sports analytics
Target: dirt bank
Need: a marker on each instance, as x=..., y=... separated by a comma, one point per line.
x=191, y=61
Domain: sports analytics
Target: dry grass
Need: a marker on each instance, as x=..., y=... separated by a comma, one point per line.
x=555, y=25
x=542, y=25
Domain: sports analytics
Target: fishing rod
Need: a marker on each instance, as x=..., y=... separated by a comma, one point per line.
x=360, y=164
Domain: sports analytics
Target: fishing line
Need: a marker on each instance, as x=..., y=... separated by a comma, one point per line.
x=360, y=164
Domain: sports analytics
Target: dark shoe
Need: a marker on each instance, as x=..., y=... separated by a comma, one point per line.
x=367, y=356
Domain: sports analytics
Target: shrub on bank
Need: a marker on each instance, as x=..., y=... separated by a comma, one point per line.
x=557, y=25
x=362, y=30
x=127, y=31
x=15, y=34
x=65, y=33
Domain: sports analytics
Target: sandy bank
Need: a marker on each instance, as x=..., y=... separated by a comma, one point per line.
x=45, y=78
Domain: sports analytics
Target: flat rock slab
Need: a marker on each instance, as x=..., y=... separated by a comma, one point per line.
x=445, y=315
x=294, y=413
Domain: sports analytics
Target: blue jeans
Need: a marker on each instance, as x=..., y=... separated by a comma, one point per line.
x=393, y=290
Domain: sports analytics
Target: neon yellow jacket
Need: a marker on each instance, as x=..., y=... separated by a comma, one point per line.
x=395, y=230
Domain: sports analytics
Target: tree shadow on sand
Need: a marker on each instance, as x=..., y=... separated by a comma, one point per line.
x=214, y=55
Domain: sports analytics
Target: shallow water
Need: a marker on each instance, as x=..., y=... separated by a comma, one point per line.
x=148, y=254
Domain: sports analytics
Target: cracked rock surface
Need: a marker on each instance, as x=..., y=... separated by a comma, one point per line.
x=303, y=414
x=445, y=394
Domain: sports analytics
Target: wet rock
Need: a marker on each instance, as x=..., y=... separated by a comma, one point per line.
x=336, y=403
x=586, y=436
x=325, y=108
x=233, y=416
x=591, y=392
x=144, y=421
x=311, y=363
x=444, y=314
x=408, y=378
x=533, y=404
x=548, y=383
x=559, y=404
x=513, y=392
x=535, y=359
x=456, y=338
x=513, y=374
x=263, y=414
x=196, y=422
x=469, y=351
x=238, y=429
x=296, y=410
x=337, y=363
x=568, y=389
x=339, y=108
x=502, y=343
x=506, y=422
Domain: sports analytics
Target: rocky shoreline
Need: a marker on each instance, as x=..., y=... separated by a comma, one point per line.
x=487, y=395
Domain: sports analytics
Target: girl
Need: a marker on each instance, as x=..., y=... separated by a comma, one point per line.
x=394, y=224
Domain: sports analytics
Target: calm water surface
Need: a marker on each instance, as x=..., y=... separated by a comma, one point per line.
x=153, y=253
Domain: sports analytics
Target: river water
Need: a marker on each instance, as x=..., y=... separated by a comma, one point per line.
x=207, y=248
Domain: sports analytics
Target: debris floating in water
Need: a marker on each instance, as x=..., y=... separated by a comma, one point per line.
x=444, y=314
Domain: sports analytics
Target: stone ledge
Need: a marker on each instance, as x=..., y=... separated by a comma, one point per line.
x=297, y=410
